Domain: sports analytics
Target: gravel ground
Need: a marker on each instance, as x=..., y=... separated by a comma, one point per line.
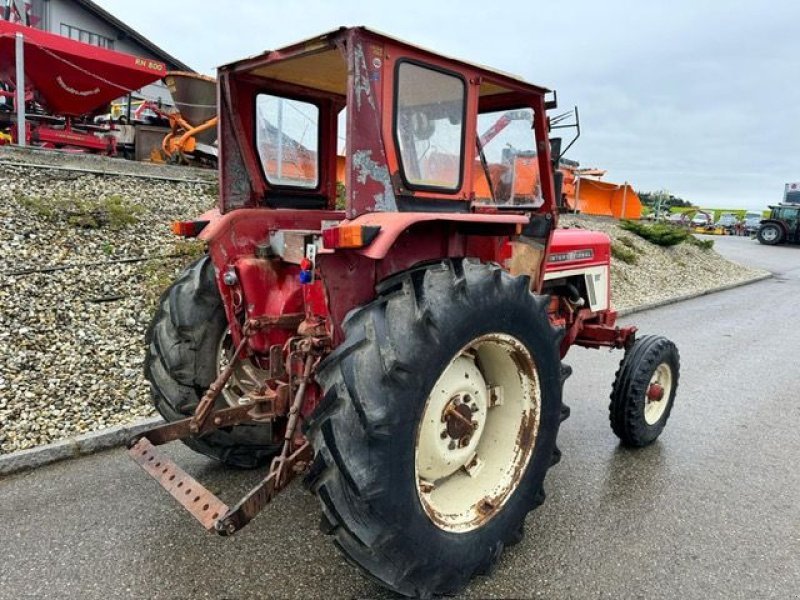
x=71, y=338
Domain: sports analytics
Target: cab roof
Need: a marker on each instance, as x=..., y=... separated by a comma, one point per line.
x=316, y=63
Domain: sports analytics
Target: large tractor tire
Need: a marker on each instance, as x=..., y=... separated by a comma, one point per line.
x=187, y=345
x=770, y=234
x=438, y=424
x=644, y=390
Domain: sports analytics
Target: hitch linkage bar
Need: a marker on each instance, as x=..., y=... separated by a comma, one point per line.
x=212, y=513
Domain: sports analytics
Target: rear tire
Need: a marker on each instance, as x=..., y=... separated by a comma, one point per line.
x=368, y=432
x=770, y=234
x=644, y=390
x=182, y=360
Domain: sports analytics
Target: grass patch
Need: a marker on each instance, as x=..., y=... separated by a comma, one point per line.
x=629, y=243
x=664, y=234
x=160, y=273
x=190, y=249
x=660, y=234
x=702, y=244
x=110, y=212
x=624, y=253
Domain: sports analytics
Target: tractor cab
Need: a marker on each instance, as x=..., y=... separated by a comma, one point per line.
x=418, y=132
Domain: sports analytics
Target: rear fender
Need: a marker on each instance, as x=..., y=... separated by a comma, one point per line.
x=349, y=275
x=404, y=241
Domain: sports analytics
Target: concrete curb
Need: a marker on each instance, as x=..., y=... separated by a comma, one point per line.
x=117, y=436
x=674, y=300
x=81, y=445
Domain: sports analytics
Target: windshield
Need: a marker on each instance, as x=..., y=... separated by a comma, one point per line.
x=507, y=168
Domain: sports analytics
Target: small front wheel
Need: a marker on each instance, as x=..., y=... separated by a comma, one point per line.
x=644, y=390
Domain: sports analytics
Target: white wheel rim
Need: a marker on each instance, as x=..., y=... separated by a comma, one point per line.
x=246, y=378
x=477, y=432
x=657, y=394
x=769, y=233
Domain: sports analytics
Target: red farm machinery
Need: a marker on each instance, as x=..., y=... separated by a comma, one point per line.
x=68, y=80
x=403, y=354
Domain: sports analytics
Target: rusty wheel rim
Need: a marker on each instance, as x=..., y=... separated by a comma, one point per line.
x=477, y=432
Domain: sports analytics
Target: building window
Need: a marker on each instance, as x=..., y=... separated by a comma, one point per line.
x=87, y=37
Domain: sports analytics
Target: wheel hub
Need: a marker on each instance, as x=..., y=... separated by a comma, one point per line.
x=459, y=400
x=656, y=397
x=655, y=392
x=457, y=417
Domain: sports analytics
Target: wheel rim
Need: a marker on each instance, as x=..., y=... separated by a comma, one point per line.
x=657, y=395
x=477, y=432
x=770, y=234
x=246, y=378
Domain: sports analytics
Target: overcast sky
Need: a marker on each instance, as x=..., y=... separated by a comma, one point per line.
x=698, y=97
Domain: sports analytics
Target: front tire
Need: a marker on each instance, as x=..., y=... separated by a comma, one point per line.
x=185, y=351
x=644, y=390
x=437, y=340
x=770, y=234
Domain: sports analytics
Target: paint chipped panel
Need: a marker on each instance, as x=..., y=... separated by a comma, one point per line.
x=365, y=168
x=361, y=79
x=369, y=184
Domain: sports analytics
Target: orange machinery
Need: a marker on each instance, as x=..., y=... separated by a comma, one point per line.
x=193, y=124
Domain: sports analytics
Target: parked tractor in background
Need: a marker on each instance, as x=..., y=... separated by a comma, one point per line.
x=782, y=225
x=406, y=353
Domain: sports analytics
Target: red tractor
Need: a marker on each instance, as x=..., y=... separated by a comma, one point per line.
x=405, y=353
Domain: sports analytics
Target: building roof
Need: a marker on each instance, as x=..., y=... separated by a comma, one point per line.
x=172, y=62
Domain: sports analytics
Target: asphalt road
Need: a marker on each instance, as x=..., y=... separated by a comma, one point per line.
x=711, y=510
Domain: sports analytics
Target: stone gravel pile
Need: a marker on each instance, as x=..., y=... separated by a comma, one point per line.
x=73, y=312
x=657, y=273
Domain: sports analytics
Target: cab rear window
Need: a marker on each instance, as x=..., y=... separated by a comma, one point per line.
x=429, y=127
x=287, y=139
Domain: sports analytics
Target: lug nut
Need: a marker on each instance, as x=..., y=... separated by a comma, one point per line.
x=443, y=435
x=451, y=445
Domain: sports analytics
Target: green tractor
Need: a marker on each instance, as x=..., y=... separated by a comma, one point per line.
x=783, y=225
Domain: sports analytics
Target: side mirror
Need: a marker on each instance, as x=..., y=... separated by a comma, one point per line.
x=555, y=150
x=558, y=180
